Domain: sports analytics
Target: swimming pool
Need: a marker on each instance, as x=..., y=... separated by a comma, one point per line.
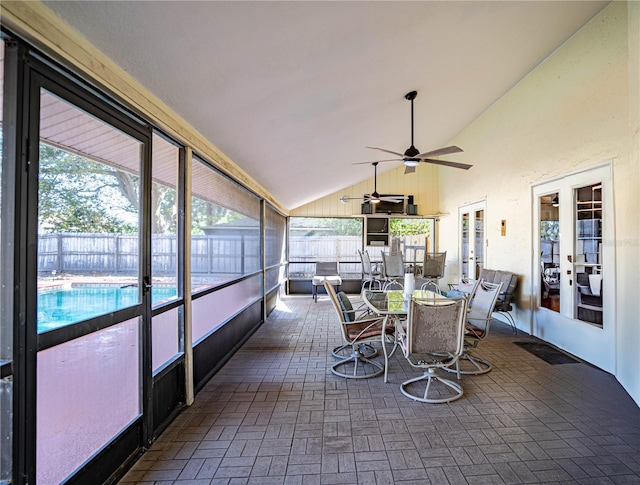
x=60, y=307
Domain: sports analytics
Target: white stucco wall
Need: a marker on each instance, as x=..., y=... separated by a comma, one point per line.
x=576, y=110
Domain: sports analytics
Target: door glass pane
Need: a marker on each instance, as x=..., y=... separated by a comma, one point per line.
x=588, y=254
x=550, y=251
x=479, y=242
x=164, y=220
x=465, y=244
x=88, y=216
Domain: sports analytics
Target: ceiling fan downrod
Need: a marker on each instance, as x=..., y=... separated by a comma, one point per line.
x=412, y=151
x=375, y=197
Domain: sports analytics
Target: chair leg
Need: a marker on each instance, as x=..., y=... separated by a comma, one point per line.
x=356, y=360
x=371, y=285
x=510, y=320
x=367, y=351
x=478, y=366
x=432, y=380
x=384, y=345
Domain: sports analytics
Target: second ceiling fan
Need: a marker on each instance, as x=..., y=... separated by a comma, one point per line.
x=412, y=156
x=374, y=197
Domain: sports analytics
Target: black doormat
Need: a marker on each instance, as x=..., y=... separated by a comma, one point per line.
x=547, y=353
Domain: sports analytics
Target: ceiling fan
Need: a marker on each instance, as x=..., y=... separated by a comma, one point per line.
x=412, y=156
x=374, y=197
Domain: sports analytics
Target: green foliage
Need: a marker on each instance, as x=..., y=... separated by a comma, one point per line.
x=205, y=214
x=409, y=227
x=164, y=206
x=80, y=195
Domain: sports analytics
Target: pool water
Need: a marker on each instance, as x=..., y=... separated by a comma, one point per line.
x=57, y=308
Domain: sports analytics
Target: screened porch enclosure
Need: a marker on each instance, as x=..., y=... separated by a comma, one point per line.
x=95, y=235
x=328, y=239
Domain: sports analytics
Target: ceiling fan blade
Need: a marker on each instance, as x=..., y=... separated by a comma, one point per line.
x=375, y=161
x=408, y=169
x=388, y=151
x=440, y=151
x=463, y=166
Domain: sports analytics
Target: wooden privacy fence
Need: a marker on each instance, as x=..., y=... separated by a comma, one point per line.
x=100, y=254
x=304, y=252
x=118, y=254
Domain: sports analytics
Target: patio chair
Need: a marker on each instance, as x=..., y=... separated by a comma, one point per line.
x=392, y=271
x=431, y=286
x=371, y=277
x=356, y=333
x=465, y=287
x=325, y=272
x=509, y=282
x=433, y=339
x=479, y=319
x=433, y=268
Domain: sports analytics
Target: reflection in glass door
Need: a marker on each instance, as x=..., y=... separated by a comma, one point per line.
x=588, y=250
x=472, y=239
x=549, y=210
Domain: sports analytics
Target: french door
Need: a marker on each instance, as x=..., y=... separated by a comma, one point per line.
x=473, y=242
x=574, y=265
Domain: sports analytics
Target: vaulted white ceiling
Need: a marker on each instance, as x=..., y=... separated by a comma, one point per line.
x=293, y=92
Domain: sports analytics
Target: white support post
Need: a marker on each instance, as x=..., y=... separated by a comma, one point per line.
x=188, y=348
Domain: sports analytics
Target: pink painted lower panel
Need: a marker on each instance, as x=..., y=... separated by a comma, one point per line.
x=212, y=310
x=164, y=337
x=88, y=390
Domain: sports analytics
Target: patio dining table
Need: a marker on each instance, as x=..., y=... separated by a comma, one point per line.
x=394, y=306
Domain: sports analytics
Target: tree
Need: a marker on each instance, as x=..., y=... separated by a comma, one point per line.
x=409, y=227
x=344, y=226
x=205, y=213
x=80, y=195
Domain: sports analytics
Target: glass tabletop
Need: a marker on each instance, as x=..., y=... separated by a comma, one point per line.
x=394, y=302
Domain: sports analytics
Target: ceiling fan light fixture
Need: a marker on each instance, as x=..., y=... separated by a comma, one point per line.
x=375, y=198
x=412, y=162
x=555, y=202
